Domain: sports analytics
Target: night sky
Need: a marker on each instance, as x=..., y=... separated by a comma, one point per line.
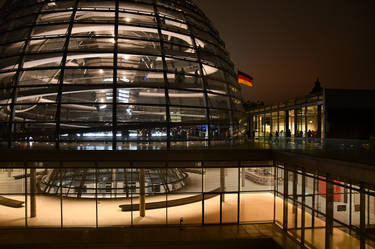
x=286, y=45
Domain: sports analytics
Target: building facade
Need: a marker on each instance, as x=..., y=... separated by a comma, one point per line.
x=333, y=113
x=299, y=116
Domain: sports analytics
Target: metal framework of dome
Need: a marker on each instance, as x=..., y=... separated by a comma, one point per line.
x=113, y=75
x=81, y=74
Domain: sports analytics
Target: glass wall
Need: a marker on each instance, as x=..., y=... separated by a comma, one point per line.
x=319, y=211
x=100, y=194
x=304, y=122
x=311, y=207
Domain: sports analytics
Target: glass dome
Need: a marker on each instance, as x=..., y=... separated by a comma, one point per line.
x=111, y=183
x=84, y=74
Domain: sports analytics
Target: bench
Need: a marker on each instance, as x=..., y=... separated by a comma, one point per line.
x=10, y=202
x=171, y=203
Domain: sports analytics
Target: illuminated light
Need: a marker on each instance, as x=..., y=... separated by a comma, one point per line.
x=129, y=111
x=124, y=79
x=101, y=107
x=98, y=134
x=128, y=19
x=124, y=58
x=113, y=40
x=124, y=95
x=159, y=134
x=133, y=135
x=174, y=95
x=123, y=100
x=108, y=79
x=101, y=71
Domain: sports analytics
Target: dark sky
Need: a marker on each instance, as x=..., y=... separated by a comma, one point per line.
x=287, y=44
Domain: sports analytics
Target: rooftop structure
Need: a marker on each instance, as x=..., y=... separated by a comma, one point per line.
x=329, y=113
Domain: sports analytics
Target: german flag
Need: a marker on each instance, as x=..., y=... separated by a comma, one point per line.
x=245, y=79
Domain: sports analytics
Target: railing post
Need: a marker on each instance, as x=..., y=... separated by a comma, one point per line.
x=362, y=197
x=285, y=201
x=329, y=213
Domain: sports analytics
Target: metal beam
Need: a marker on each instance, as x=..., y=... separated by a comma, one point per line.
x=142, y=200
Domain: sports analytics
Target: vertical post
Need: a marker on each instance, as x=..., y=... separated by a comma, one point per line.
x=165, y=75
x=303, y=207
x=319, y=119
x=264, y=125
x=275, y=182
x=295, y=209
x=368, y=209
x=324, y=134
x=286, y=121
x=61, y=76
x=350, y=206
x=61, y=195
x=362, y=226
x=278, y=118
x=222, y=183
x=166, y=192
x=131, y=193
x=239, y=191
x=221, y=207
x=142, y=202
x=205, y=86
x=329, y=212
x=32, y=192
x=295, y=123
x=285, y=201
x=115, y=80
x=306, y=121
x=202, y=166
x=26, y=189
x=96, y=196
x=313, y=203
x=271, y=122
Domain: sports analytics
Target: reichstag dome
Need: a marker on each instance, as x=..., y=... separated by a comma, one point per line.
x=134, y=74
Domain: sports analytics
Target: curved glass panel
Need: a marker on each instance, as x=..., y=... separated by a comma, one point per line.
x=98, y=73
